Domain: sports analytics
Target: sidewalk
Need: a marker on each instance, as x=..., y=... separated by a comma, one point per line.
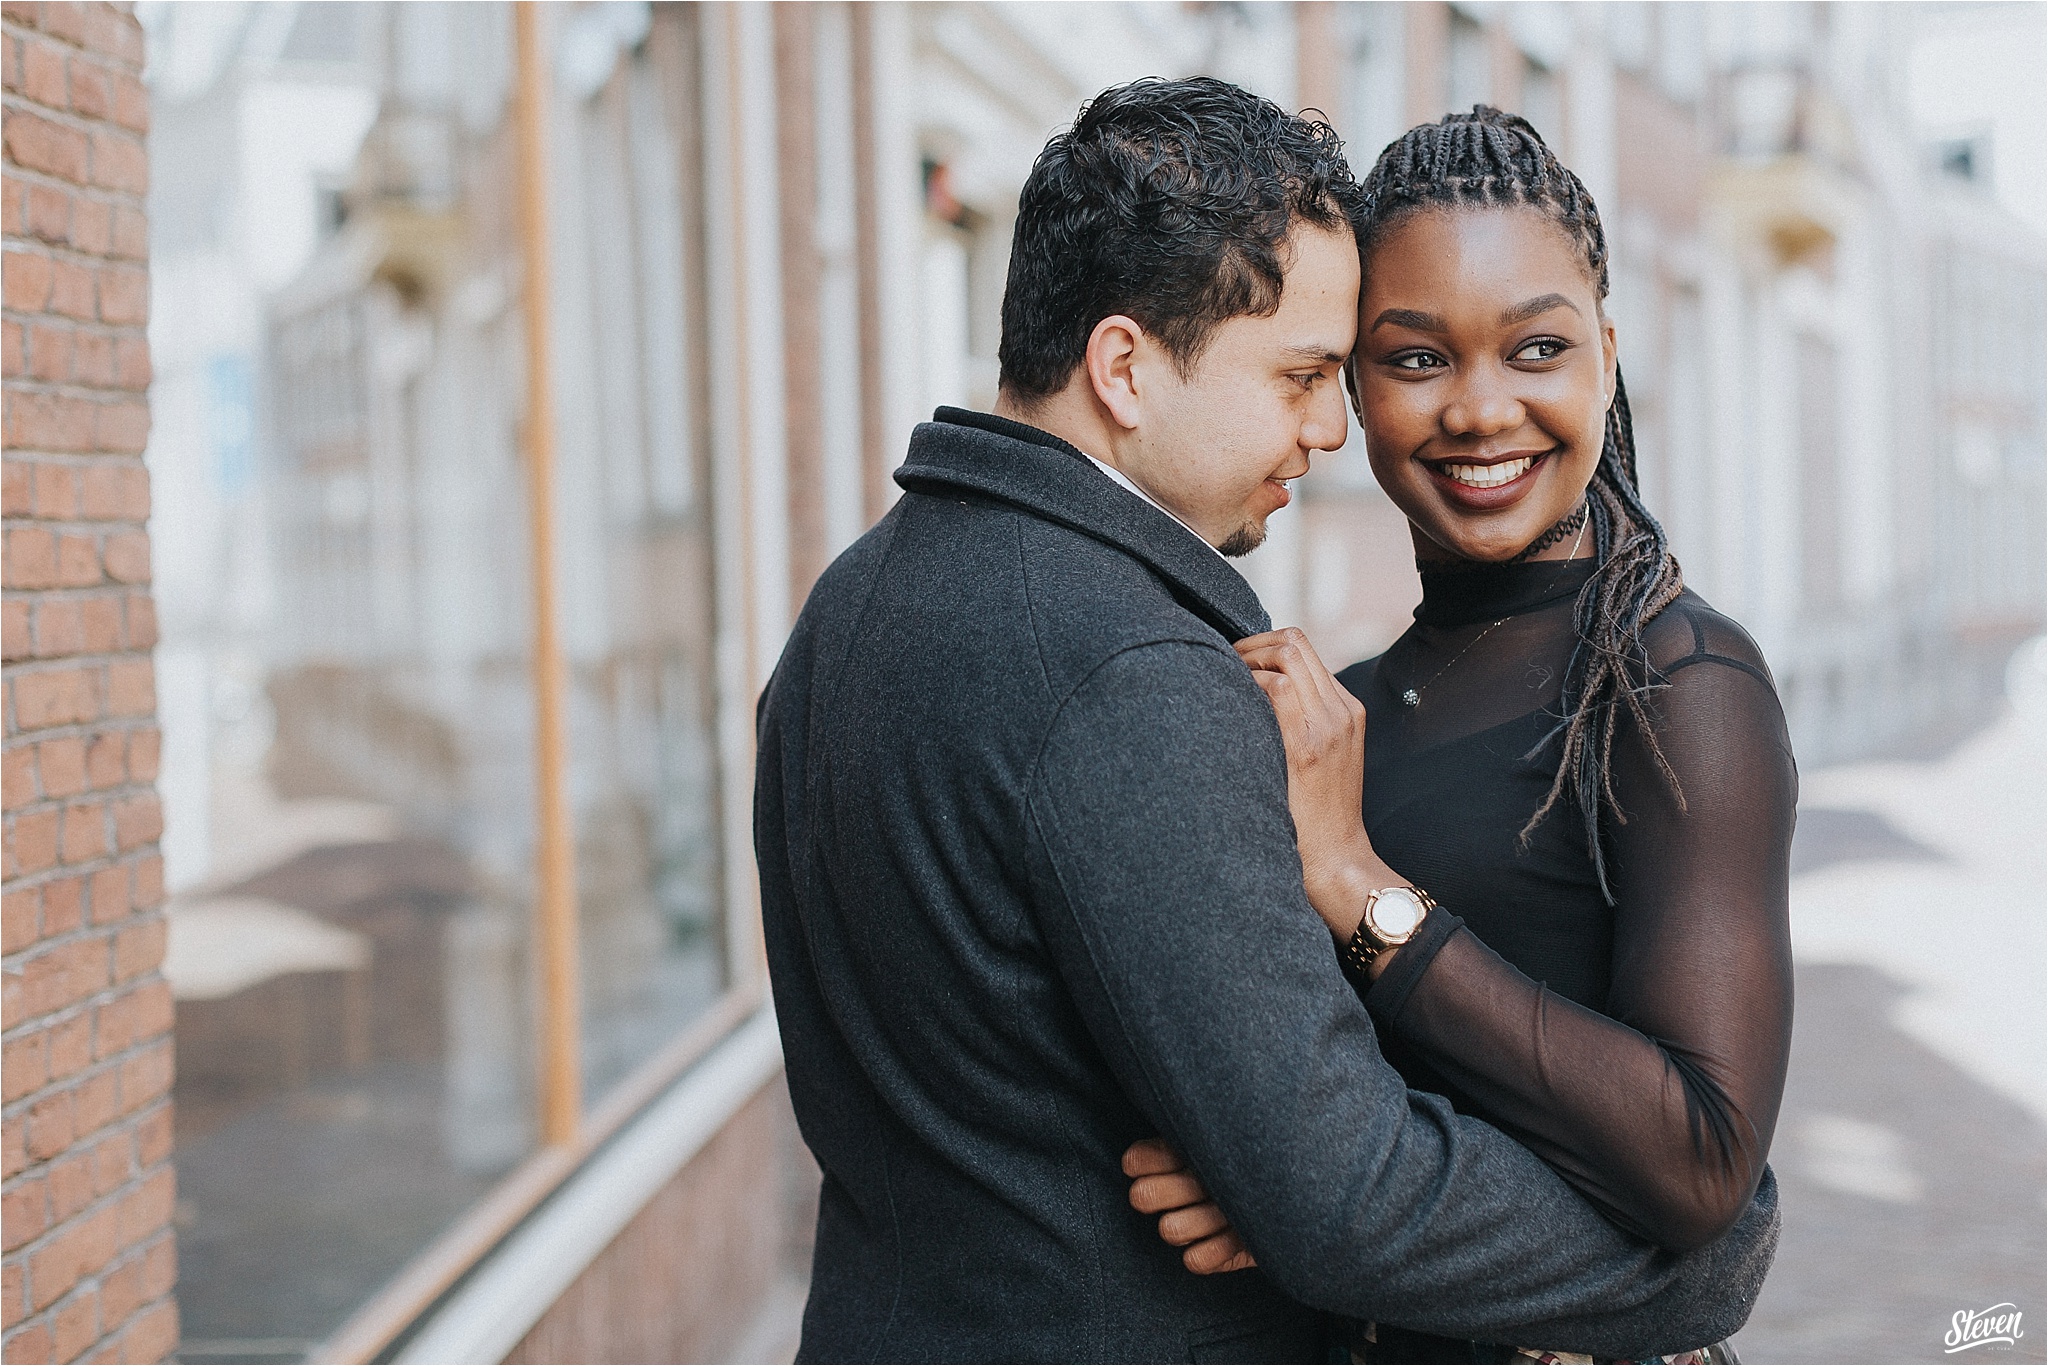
x=1911, y=1146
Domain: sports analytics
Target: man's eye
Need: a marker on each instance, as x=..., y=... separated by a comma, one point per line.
x=1543, y=348
x=1416, y=360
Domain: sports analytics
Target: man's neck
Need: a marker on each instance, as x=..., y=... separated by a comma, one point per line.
x=1073, y=417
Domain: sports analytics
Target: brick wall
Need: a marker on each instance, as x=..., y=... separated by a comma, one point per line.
x=86, y=1187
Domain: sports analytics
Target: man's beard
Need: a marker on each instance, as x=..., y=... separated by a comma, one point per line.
x=1243, y=541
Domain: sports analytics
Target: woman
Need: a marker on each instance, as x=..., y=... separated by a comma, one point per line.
x=1583, y=764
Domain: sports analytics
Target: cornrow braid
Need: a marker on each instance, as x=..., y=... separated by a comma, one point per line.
x=1488, y=159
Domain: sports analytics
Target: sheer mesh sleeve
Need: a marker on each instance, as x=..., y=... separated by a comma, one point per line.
x=1661, y=1110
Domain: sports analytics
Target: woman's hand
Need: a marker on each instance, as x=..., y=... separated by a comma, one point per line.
x=1162, y=1184
x=1323, y=726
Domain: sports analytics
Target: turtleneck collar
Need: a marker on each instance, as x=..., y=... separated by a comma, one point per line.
x=1488, y=592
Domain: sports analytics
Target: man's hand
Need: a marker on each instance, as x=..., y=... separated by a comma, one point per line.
x=1323, y=726
x=1188, y=1218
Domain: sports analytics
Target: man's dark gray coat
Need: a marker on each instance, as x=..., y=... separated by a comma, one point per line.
x=1031, y=893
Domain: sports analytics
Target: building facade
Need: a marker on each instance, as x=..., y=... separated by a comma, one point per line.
x=473, y=1059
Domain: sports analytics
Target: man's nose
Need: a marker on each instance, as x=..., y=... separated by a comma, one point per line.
x=1482, y=406
x=1323, y=427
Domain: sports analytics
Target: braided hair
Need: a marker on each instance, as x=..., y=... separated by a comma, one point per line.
x=1488, y=159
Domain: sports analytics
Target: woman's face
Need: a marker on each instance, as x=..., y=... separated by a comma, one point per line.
x=1484, y=371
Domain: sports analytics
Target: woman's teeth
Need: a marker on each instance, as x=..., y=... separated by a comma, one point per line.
x=1489, y=476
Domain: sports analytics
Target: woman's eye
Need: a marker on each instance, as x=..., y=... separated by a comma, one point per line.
x=1416, y=360
x=1543, y=348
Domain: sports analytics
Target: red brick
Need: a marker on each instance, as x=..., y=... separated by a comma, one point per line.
x=153, y=1136
x=70, y=1046
x=137, y=950
x=92, y=360
x=13, y=1010
x=13, y=1151
x=49, y=353
x=25, y=280
x=14, y=632
x=118, y=162
x=13, y=1298
x=132, y=369
x=92, y=226
x=50, y=422
x=127, y=557
x=56, y=495
x=30, y=1344
x=13, y=208
x=24, y=1065
x=42, y=74
x=75, y=1326
x=113, y=491
x=59, y=628
x=99, y=622
x=112, y=29
x=96, y=1102
x=65, y=19
x=60, y=763
x=151, y=1335
x=148, y=1209
x=17, y=480
x=63, y=906
x=121, y=428
x=35, y=143
x=18, y=777
x=130, y=234
x=145, y=745
x=146, y=1076
x=49, y=213
x=85, y=832
x=137, y=821
x=92, y=89
x=113, y=1161
x=20, y=918
x=31, y=559
x=141, y=621
x=32, y=843
x=54, y=697
x=70, y=1186
x=160, y=1267
x=102, y=763
x=10, y=59
x=110, y=898
x=121, y=1292
x=71, y=290
x=131, y=688
x=50, y=1126
x=78, y=561
x=131, y=103
x=75, y=1253
x=13, y=347
x=24, y=1213
x=124, y=295
x=147, y=892
x=64, y=975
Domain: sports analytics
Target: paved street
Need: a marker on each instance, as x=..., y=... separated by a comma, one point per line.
x=1911, y=1148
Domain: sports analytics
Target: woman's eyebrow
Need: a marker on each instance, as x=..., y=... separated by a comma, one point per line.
x=1535, y=307
x=1408, y=317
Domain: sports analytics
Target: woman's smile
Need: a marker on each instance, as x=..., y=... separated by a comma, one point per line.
x=1485, y=483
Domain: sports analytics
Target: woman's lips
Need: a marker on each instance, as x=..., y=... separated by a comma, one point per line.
x=1484, y=486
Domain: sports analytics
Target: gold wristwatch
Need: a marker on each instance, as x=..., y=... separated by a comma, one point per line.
x=1392, y=916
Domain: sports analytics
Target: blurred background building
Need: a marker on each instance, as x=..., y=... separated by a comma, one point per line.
x=778, y=239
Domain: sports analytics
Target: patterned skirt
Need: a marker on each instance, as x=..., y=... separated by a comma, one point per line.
x=1385, y=1345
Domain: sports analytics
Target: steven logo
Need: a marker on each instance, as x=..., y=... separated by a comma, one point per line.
x=1983, y=1327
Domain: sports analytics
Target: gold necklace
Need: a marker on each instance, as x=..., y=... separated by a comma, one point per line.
x=1413, y=696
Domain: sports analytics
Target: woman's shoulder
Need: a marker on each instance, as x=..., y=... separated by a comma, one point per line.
x=1691, y=632
x=1357, y=678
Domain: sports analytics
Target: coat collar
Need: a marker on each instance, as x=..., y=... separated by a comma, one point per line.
x=1040, y=474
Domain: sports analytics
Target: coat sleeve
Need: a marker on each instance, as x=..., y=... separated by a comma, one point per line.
x=1170, y=893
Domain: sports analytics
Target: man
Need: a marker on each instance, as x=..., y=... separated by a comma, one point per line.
x=1030, y=884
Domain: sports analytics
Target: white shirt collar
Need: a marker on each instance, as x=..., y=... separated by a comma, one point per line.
x=1118, y=475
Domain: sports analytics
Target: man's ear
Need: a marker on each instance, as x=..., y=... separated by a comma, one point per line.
x=1113, y=349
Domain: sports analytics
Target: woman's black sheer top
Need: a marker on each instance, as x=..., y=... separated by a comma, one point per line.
x=1639, y=1047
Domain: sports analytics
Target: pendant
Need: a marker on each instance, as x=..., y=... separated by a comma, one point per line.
x=1411, y=698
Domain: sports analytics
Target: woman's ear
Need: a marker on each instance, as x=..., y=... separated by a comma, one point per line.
x=1113, y=349
x=1610, y=361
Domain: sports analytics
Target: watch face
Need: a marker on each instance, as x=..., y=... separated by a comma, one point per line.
x=1396, y=913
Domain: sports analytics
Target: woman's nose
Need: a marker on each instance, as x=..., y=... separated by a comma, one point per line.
x=1481, y=407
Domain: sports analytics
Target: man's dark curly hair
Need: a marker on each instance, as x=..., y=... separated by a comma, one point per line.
x=1169, y=202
